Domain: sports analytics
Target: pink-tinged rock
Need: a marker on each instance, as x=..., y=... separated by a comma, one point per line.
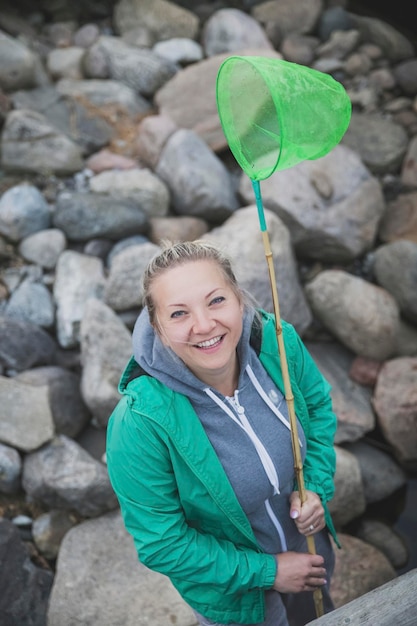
x=106, y=160
x=365, y=371
x=395, y=403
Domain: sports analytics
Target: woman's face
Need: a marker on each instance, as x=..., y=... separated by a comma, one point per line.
x=199, y=317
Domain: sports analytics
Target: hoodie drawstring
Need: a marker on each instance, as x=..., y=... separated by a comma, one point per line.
x=265, y=398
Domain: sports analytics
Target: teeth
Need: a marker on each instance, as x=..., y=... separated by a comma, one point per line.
x=209, y=343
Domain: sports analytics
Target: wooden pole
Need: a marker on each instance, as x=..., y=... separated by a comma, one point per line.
x=298, y=465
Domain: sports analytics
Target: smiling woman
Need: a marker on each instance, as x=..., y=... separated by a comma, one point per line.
x=199, y=449
x=199, y=317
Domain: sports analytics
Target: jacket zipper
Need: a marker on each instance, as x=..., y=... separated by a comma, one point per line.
x=267, y=463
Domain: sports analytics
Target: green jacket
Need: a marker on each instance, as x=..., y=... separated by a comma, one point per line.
x=176, y=500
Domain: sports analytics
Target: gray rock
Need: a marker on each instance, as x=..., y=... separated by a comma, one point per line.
x=228, y=30
x=164, y=20
x=287, y=17
x=180, y=228
x=96, y=63
x=139, y=68
x=328, y=65
x=62, y=475
x=18, y=64
x=358, y=64
x=395, y=403
x=134, y=240
x=86, y=35
x=140, y=186
x=10, y=469
x=105, y=93
x=199, y=183
x=44, y=247
x=381, y=474
x=106, y=346
x=78, y=278
x=84, y=216
x=339, y=45
x=140, y=36
x=15, y=276
x=364, y=317
x=112, y=587
x=69, y=412
x=72, y=117
x=395, y=268
x=351, y=401
x=32, y=302
x=179, y=50
x=25, y=587
x=299, y=49
x=24, y=345
x=349, y=501
x=31, y=144
x=99, y=248
x=25, y=416
x=65, y=62
x=382, y=537
x=400, y=217
x=380, y=142
x=123, y=288
x=23, y=211
x=406, y=344
x=153, y=133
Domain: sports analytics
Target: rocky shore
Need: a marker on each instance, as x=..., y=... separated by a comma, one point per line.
x=110, y=141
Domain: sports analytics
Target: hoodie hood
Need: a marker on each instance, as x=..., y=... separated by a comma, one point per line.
x=162, y=363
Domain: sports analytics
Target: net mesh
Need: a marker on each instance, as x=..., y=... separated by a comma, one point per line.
x=275, y=114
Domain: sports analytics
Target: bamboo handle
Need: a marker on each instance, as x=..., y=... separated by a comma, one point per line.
x=298, y=465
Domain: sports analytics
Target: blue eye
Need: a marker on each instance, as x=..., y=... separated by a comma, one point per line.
x=177, y=314
x=218, y=300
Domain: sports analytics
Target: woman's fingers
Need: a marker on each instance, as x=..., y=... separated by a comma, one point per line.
x=298, y=572
x=314, y=584
x=308, y=517
x=311, y=526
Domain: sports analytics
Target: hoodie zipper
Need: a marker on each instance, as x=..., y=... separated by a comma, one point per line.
x=241, y=420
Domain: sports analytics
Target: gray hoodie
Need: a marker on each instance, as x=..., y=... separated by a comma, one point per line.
x=249, y=431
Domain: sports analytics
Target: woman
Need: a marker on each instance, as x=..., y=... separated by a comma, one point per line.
x=199, y=448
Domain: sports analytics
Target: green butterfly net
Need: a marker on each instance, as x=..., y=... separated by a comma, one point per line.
x=275, y=114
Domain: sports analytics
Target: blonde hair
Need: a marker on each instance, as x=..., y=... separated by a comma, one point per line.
x=176, y=254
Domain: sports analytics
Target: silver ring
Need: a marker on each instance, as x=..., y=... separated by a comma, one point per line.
x=311, y=527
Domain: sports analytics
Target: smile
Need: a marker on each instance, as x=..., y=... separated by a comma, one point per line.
x=210, y=342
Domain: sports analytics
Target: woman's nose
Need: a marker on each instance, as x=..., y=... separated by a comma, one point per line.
x=202, y=322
